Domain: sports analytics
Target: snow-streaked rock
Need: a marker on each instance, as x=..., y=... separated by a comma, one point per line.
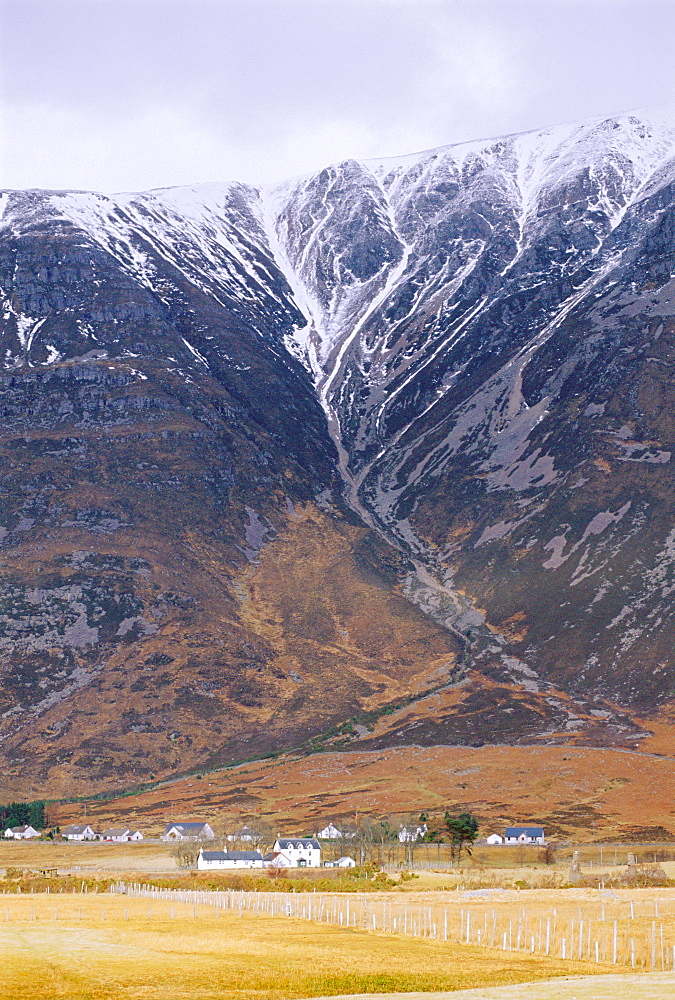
x=489, y=330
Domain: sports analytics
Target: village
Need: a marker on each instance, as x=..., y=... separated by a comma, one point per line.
x=245, y=847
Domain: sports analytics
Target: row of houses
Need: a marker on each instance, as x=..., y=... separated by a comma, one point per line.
x=416, y=832
x=115, y=835
x=76, y=832
x=519, y=835
x=287, y=852
x=406, y=834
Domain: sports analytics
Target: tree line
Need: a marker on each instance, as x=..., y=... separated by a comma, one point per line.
x=23, y=814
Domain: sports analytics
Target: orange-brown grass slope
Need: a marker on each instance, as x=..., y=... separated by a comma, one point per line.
x=244, y=658
x=580, y=792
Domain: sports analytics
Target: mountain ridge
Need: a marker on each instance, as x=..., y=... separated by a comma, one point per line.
x=467, y=349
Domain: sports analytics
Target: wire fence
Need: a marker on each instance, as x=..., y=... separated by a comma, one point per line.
x=623, y=932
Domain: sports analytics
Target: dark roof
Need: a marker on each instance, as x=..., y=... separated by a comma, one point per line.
x=77, y=828
x=185, y=826
x=232, y=855
x=285, y=842
x=530, y=831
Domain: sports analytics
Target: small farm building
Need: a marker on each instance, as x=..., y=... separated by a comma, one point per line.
x=494, y=838
x=524, y=835
x=229, y=859
x=245, y=835
x=276, y=859
x=21, y=832
x=78, y=832
x=187, y=831
x=344, y=862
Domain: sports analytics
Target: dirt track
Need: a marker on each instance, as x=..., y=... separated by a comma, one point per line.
x=653, y=986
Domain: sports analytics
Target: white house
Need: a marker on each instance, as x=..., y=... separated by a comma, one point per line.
x=524, y=835
x=331, y=832
x=246, y=835
x=121, y=834
x=210, y=860
x=21, y=832
x=78, y=832
x=494, y=838
x=276, y=859
x=302, y=852
x=409, y=834
x=344, y=862
x=187, y=831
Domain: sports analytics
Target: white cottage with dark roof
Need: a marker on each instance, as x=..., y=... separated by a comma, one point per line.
x=78, y=831
x=210, y=860
x=524, y=835
x=24, y=832
x=121, y=834
x=302, y=852
x=187, y=831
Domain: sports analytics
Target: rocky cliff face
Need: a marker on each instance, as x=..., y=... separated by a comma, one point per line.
x=272, y=459
x=492, y=342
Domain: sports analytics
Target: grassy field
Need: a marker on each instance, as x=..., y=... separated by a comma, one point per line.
x=102, y=947
x=86, y=857
x=622, y=987
x=505, y=864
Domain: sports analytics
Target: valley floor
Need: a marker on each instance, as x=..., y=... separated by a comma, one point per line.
x=102, y=947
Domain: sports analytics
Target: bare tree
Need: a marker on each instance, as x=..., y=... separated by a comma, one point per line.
x=384, y=834
x=261, y=833
x=408, y=836
x=186, y=853
x=227, y=827
x=547, y=854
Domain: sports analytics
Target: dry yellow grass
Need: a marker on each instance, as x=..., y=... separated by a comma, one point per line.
x=88, y=858
x=74, y=947
x=654, y=986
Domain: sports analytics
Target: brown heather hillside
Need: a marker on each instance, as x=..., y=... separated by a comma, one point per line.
x=578, y=793
x=232, y=658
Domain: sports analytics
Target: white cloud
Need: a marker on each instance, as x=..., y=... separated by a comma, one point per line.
x=110, y=95
x=62, y=147
x=58, y=147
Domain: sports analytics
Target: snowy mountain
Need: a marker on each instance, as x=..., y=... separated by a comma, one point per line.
x=487, y=327
x=471, y=347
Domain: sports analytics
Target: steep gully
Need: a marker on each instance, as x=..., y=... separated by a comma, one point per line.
x=480, y=644
x=326, y=377
x=435, y=597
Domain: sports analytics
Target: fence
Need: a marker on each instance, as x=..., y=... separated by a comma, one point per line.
x=630, y=933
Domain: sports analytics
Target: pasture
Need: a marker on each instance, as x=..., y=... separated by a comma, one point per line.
x=106, y=947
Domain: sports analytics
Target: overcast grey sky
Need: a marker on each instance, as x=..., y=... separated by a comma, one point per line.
x=131, y=94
